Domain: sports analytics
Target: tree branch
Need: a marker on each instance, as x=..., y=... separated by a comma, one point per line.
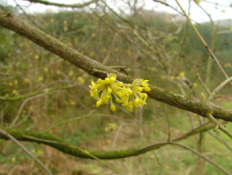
x=63, y=5
x=61, y=145
x=96, y=69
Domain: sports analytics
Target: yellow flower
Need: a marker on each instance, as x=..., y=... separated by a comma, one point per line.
x=80, y=80
x=40, y=78
x=147, y=89
x=129, y=95
x=194, y=115
x=39, y=153
x=58, y=72
x=108, y=141
x=144, y=83
x=153, y=69
x=15, y=82
x=31, y=108
x=133, y=95
x=182, y=74
x=65, y=22
x=167, y=167
x=111, y=127
x=80, y=70
x=227, y=27
x=195, y=85
x=72, y=103
x=198, y=1
x=91, y=54
x=65, y=28
x=227, y=65
x=26, y=80
x=113, y=108
x=52, y=21
x=169, y=16
x=46, y=90
x=106, y=129
x=45, y=69
x=71, y=73
x=10, y=84
x=164, y=77
x=203, y=96
x=15, y=92
x=172, y=78
x=13, y=159
x=36, y=57
x=108, y=87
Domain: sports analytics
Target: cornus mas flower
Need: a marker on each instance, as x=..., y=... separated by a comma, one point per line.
x=129, y=95
x=105, y=89
x=133, y=95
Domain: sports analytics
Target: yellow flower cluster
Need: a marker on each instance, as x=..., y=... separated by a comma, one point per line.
x=129, y=95
x=111, y=127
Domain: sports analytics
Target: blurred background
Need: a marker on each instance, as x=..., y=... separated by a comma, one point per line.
x=140, y=38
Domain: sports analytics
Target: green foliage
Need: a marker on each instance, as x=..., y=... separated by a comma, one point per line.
x=70, y=112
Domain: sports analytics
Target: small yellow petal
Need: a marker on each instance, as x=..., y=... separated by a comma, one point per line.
x=118, y=100
x=131, y=108
x=112, y=107
x=107, y=80
x=109, y=90
x=120, y=94
x=120, y=83
x=99, y=102
x=137, y=100
x=147, y=89
x=140, y=89
x=129, y=91
x=112, y=79
x=144, y=83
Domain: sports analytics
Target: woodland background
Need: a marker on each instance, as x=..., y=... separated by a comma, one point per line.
x=160, y=47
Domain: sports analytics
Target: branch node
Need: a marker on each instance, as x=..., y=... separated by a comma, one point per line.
x=216, y=128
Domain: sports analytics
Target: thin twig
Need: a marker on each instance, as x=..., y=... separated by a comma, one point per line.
x=202, y=40
x=219, y=125
x=202, y=156
x=78, y=118
x=29, y=18
x=168, y=5
x=216, y=4
x=25, y=150
x=117, y=134
x=219, y=87
x=21, y=108
x=220, y=139
x=203, y=84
